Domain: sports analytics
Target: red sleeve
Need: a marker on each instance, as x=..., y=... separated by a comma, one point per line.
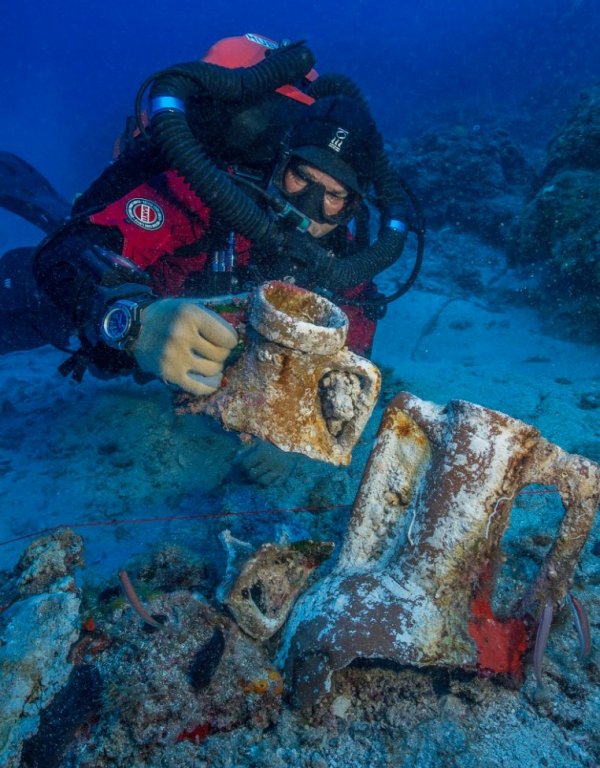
x=156, y=219
x=362, y=328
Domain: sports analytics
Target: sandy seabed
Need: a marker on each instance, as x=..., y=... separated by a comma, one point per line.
x=111, y=460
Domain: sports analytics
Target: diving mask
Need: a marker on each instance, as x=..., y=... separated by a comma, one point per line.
x=311, y=198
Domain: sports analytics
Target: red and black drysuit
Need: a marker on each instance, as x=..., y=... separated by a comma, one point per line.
x=167, y=235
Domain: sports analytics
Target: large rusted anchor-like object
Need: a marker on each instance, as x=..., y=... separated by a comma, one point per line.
x=295, y=383
x=415, y=576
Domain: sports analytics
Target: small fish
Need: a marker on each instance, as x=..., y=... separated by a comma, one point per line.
x=135, y=601
x=541, y=640
x=582, y=625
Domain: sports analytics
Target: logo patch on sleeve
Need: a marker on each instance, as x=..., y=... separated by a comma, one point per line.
x=145, y=213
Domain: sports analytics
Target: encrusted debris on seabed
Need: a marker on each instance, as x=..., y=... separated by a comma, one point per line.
x=39, y=621
x=416, y=572
x=295, y=384
x=260, y=592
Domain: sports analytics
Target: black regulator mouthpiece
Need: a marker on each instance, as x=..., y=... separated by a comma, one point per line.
x=292, y=217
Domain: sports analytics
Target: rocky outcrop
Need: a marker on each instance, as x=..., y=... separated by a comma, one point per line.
x=37, y=630
x=473, y=180
x=577, y=142
x=559, y=229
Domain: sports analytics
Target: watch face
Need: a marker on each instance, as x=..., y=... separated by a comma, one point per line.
x=116, y=324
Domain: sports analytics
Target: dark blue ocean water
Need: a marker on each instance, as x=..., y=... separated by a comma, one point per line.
x=69, y=70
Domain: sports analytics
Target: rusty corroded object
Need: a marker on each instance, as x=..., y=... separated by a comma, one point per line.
x=262, y=593
x=416, y=573
x=295, y=383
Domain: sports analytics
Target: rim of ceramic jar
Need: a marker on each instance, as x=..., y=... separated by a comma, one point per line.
x=297, y=318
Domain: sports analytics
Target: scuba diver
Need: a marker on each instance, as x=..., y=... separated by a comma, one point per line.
x=248, y=167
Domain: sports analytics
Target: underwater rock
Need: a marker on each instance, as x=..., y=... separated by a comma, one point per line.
x=269, y=582
x=416, y=573
x=295, y=383
x=577, y=142
x=589, y=401
x=559, y=227
x=39, y=621
x=172, y=567
x=207, y=660
x=48, y=559
x=75, y=704
x=164, y=692
x=471, y=180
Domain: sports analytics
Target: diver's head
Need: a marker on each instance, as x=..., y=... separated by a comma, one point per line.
x=329, y=161
x=322, y=198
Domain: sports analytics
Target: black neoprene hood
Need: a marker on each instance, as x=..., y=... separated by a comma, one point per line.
x=338, y=136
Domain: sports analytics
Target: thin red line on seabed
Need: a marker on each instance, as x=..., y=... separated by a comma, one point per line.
x=204, y=516
x=169, y=518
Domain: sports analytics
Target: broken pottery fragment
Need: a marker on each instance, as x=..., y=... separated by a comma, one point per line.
x=270, y=580
x=415, y=576
x=295, y=384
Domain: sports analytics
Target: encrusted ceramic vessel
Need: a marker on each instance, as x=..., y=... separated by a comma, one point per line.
x=417, y=570
x=295, y=383
x=260, y=588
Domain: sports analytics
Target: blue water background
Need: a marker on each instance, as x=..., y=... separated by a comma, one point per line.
x=69, y=70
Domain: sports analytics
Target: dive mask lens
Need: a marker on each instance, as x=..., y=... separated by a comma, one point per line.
x=310, y=199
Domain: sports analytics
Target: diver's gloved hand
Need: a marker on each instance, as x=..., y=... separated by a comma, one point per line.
x=184, y=344
x=265, y=464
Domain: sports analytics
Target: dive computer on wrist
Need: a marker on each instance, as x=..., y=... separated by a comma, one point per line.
x=121, y=323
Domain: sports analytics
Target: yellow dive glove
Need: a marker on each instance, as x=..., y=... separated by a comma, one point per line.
x=184, y=344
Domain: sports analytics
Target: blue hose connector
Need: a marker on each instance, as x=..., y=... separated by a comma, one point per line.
x=397, y=226
x=166, y=104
